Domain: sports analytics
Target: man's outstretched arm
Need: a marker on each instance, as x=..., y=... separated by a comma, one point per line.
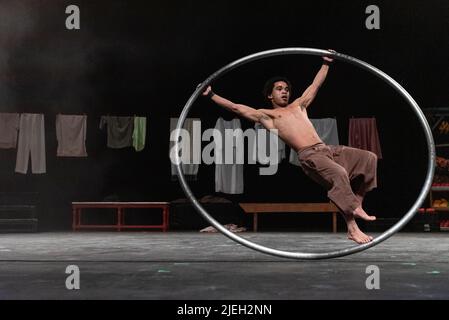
x=240, y=109
x=310, y=93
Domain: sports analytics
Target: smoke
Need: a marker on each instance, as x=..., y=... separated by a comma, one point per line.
x=16, y=22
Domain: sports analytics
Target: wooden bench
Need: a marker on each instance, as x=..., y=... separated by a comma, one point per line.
x=15, y=218
x=257, y=208
x=18, y=211
x=120, y=206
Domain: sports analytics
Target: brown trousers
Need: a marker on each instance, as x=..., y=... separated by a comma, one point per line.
x=346, y=173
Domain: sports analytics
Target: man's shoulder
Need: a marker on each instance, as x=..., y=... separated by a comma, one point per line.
x=269, y=112
x=297, y=102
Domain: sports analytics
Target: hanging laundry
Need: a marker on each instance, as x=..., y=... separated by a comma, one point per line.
x=327, y=131
x=139, y=133
x=31, y=142
x=120, y=131
x=190, y=169
x=9, y=126
x=71, y=135
x=363, y=135
x=228, y=177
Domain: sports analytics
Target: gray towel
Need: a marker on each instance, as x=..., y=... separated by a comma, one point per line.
x=9, y=126
x=71, y=135
x=120, y=131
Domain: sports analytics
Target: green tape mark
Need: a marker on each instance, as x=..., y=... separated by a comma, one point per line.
x=433, y=272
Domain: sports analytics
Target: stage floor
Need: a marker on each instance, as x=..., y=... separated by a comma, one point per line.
x=200, y=266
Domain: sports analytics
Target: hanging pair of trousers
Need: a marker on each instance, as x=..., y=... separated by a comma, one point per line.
x=31, y=143
x=346, y=173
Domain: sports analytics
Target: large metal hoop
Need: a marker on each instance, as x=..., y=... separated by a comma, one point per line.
x=317, y=52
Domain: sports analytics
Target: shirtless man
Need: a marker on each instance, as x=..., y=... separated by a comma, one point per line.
x=347, y=173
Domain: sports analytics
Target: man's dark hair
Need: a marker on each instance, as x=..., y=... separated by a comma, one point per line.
x=268, y=87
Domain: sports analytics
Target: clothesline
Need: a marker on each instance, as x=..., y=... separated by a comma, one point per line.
x=77, y=114
x=229, y=177
x=26, y=131
x=127, y=131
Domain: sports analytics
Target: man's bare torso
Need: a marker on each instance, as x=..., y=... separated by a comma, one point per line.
x=293, y=125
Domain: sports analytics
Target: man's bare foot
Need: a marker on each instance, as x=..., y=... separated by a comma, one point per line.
x=360, y=213
x=358, y=236
x=354, y=232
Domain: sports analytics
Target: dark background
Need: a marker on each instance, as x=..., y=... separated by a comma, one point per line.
x=146, y=58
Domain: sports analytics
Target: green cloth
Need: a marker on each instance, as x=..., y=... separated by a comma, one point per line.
x=139, y=133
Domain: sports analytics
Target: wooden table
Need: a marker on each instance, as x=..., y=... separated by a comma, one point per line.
x=257, y=208
x=120, y=206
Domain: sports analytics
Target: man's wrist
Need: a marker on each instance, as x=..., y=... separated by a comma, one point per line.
x=210, y=94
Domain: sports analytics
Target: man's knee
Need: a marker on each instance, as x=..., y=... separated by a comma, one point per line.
x=368, y=156
x=339, y=175
x=372, y=161
x=372, y=156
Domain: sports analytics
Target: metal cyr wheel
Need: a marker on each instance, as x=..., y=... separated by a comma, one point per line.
x=317, y=52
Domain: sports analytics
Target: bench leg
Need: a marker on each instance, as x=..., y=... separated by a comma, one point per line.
x=119, y=219
x=74, y=219
x=255, y=222
x=78, y=218
x=165, y=219
x=334, y=222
